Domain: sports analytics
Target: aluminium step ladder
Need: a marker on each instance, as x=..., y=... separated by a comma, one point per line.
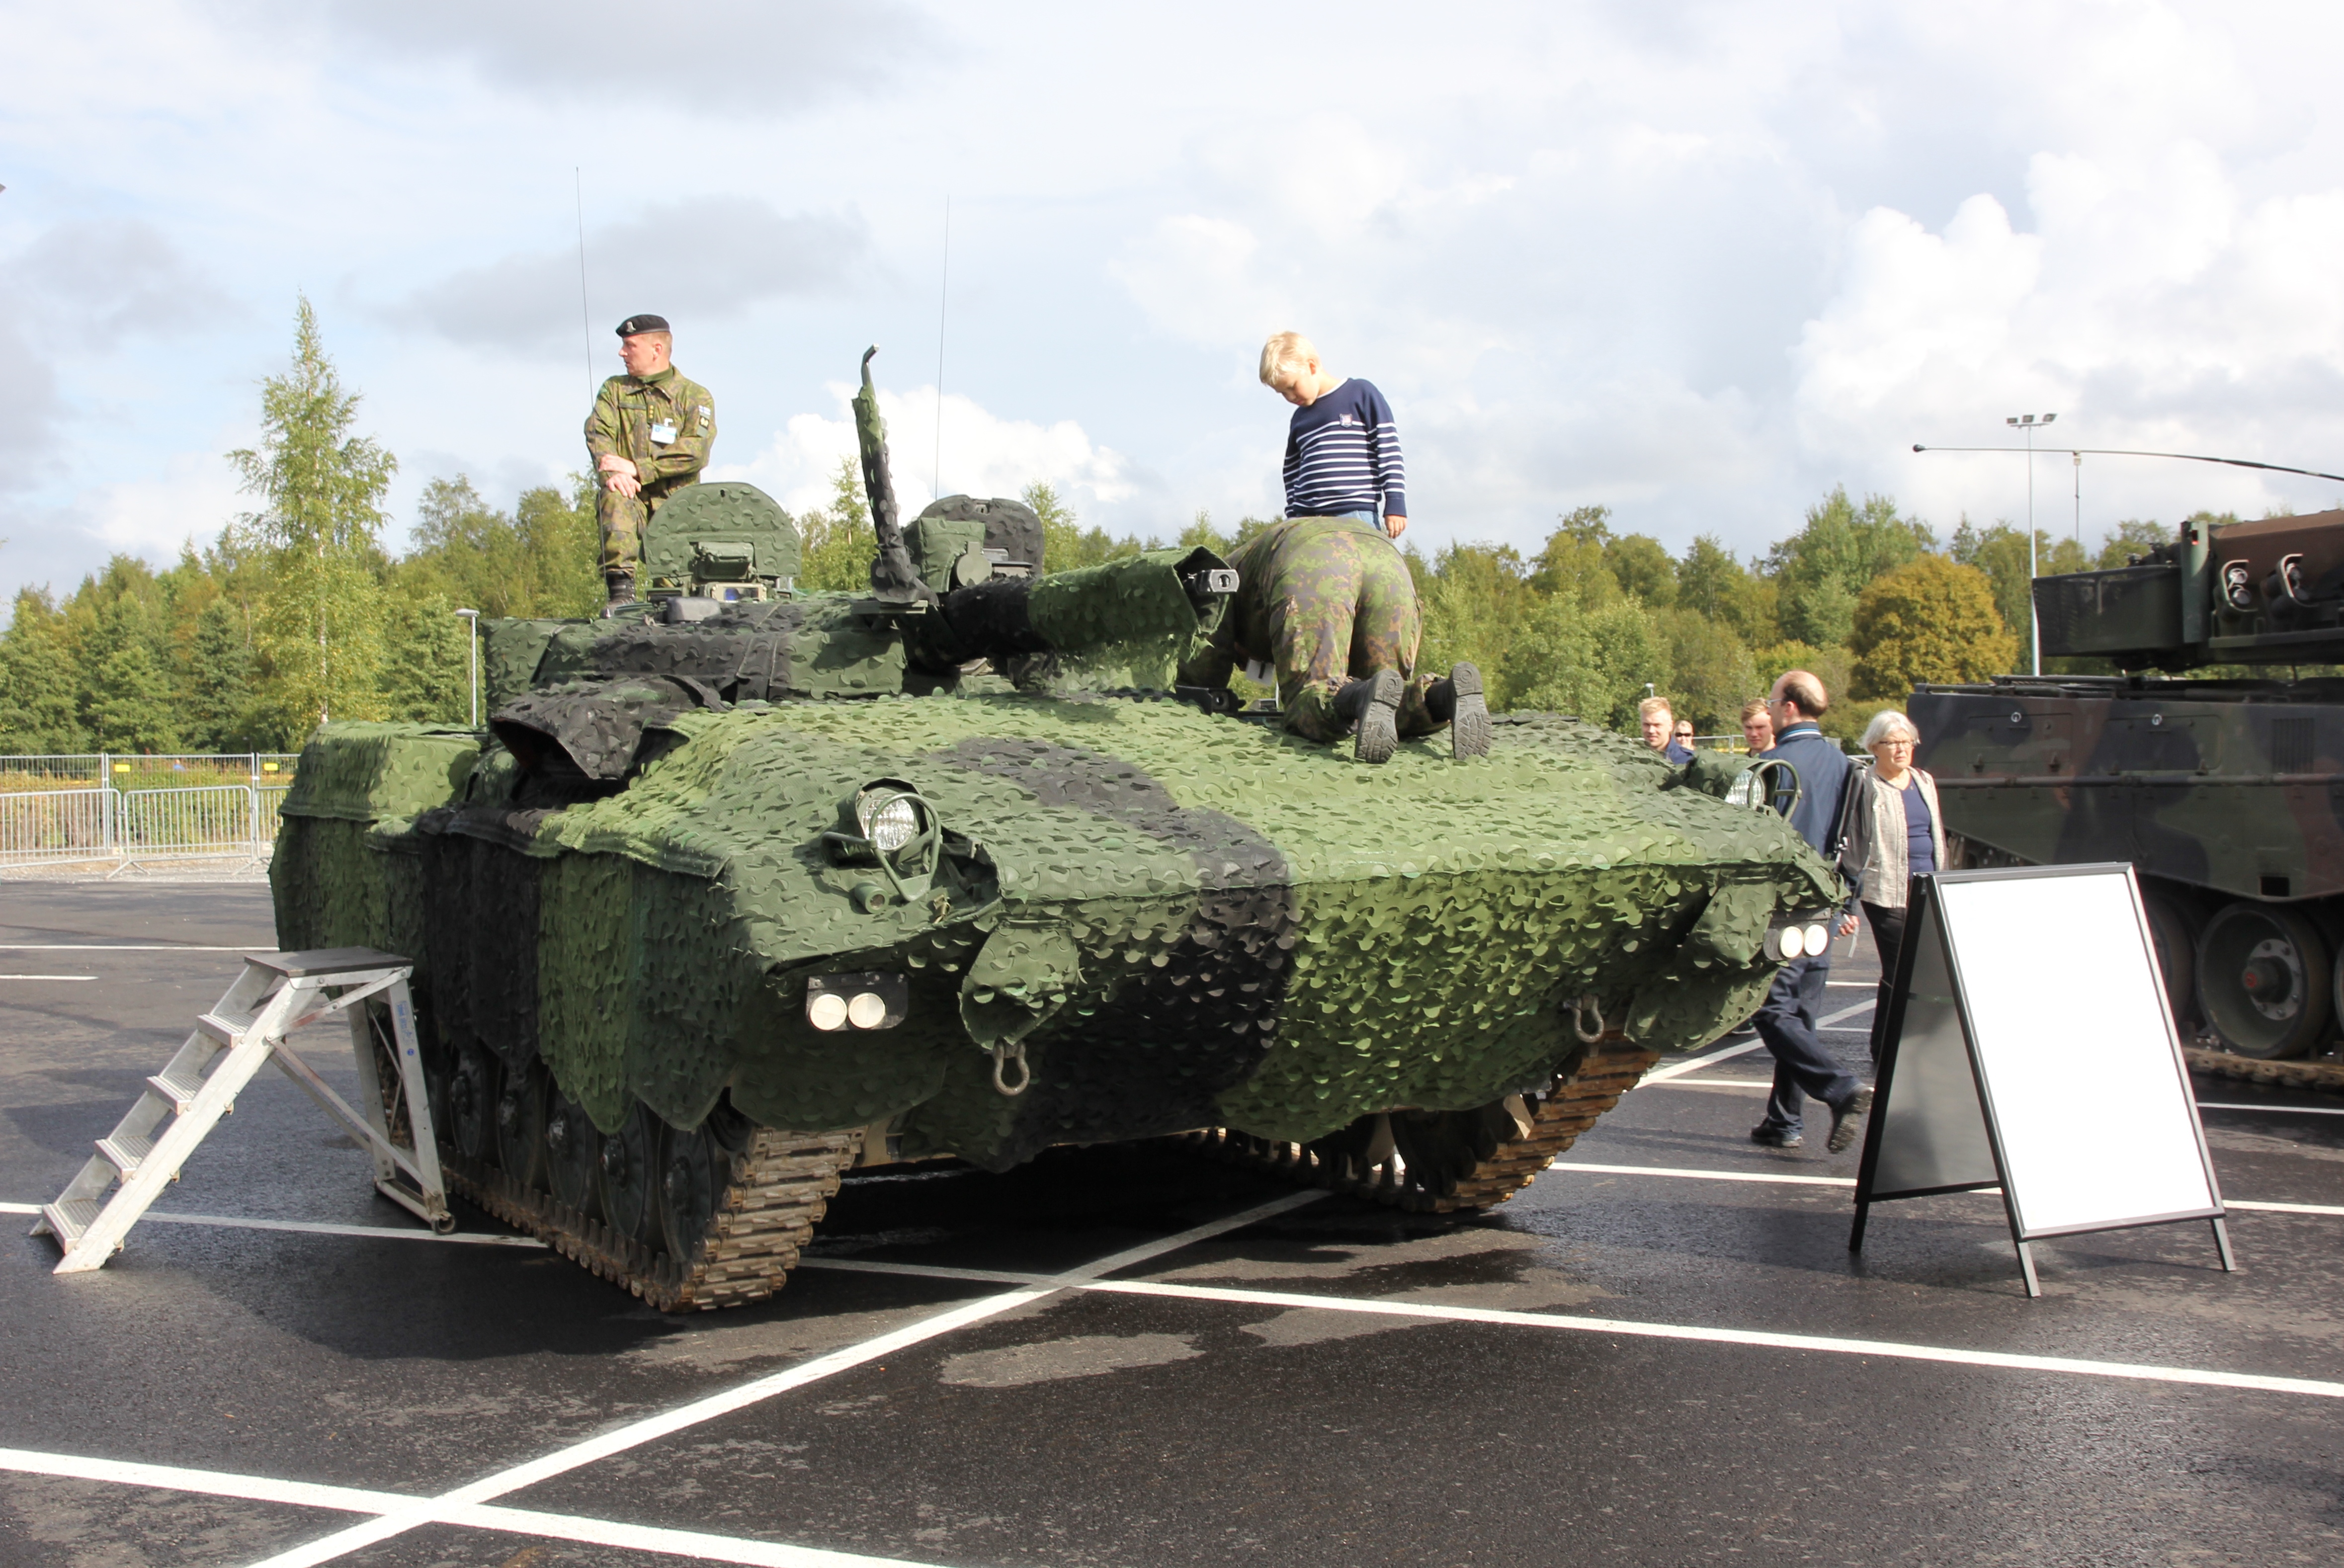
x=277, y=993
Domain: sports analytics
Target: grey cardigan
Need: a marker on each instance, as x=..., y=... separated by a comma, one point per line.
x=1872, y=854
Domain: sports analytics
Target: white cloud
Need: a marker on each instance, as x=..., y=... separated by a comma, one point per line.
x=696, y=262
x=982, y=454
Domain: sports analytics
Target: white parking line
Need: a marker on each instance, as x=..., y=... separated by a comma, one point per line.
x=518, y=1521
x=443, y=1508
x=1762, y=1176
x=1894, y=1349
x=47, y=976
x=2298, y=1109
x=121, y=947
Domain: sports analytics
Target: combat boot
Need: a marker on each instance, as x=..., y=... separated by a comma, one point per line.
x=620, y=586
x=1373, y=705
x=1457, y=702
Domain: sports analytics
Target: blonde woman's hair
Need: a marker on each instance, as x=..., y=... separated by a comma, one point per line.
x=1285, y=348
x=1888, y=724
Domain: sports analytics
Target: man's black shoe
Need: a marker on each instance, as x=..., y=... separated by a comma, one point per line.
x=1774, y=1137
x=1847, y=1120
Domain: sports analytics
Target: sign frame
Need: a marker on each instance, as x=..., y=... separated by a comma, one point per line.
x=1942, y=1133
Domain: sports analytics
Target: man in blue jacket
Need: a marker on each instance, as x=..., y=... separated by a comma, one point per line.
x=1786, y=1019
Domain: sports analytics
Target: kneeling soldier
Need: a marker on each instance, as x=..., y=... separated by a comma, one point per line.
x=1327, y=603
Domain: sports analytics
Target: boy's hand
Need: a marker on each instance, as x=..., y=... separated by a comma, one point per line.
x=1395, y=525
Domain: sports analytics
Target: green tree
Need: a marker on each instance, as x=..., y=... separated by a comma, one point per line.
x=217, y=694
x=1821, y=569
x=1642, y=567
x=1713, y=583
x=40, y=682
x=2130, y=538
x=1475, y=600
x=1572, y=564
x=428, y=674
x=1595, y=664
x=1066, y=542
x=1713, y=675
x=128, y=695
x=320, y=632
x=1929, y=619
x=835, y=544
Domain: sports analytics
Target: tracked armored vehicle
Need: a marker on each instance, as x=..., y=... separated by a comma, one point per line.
x=2227, y=793
x=738, y=894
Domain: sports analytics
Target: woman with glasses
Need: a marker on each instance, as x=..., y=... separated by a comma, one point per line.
x=1894, y=832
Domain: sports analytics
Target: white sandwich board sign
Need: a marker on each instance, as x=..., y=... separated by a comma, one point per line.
x=2028, y=1044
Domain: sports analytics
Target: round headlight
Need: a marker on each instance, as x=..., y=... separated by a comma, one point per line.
x=1793, y=942
x=892, y=825
x=827, y=1011
x=1818, y=938
x=867, y=1011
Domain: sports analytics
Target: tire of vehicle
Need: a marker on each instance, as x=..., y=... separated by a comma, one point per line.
x=472, y=1105
x=2174, y=936
x=573, y=1150
x=627, y=1175
x=2264, y=980
x=520, y=1125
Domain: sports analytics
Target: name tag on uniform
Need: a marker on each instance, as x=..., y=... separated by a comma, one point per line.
x=1257, y=672
x=663, y=431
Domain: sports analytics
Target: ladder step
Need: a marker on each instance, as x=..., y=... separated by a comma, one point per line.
x=125, y=1154
x=174, y=1093
x=67, y=1220
x=226, y=1025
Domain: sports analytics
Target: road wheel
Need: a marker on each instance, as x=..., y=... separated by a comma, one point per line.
x=520, y=1125
x=628, y=1174
x=472, y=1105
x=694, y=1173
x=573, y=1150
x=2263, y=980
x=2174, y=936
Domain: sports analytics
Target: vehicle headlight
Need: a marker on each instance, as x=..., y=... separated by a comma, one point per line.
x=889, y=822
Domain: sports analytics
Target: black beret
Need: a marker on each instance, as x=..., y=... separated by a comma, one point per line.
x=634, y=324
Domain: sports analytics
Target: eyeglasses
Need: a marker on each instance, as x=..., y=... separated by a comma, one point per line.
x=1907, y=742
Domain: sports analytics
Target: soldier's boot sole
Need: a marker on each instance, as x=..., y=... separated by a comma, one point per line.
x=1469, y=727
x=1378, y=731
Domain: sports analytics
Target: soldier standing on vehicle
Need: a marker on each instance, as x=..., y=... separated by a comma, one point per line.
x=650, y=436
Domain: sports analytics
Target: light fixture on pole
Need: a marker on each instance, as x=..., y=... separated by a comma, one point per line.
x=472, y=624
x=2030, y=423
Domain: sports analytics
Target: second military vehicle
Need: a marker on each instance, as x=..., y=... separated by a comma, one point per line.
x=2227, y=793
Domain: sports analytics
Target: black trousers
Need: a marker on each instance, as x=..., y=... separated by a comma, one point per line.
x=1888, y=936
x=1803, y=1064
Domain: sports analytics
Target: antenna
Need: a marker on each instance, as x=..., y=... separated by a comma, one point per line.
x=585, y=323
x=943, y=293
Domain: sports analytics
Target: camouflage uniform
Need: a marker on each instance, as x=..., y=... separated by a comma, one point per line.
x=625, y=412
x=1321, y=600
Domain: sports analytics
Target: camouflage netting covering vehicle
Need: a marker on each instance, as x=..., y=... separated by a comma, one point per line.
x=695, y=936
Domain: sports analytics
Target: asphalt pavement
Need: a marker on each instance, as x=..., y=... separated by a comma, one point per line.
x=1662, y=1353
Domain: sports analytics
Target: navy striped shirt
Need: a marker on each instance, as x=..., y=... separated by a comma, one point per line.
x=1343, y=454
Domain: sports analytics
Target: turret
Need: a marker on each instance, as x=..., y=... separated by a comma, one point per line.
x=2264, y=592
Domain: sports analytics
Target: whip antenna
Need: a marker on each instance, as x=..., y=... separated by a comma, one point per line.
x=585, y=324
x=943, y=293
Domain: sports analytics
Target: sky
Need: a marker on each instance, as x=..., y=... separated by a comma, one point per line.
x=1698, y=263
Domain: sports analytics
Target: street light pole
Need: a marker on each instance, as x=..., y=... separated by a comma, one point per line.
x=2030, y=423
x=472, y=624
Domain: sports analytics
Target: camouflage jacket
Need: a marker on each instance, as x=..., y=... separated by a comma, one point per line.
x=1244, y=632
x=631, y=416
